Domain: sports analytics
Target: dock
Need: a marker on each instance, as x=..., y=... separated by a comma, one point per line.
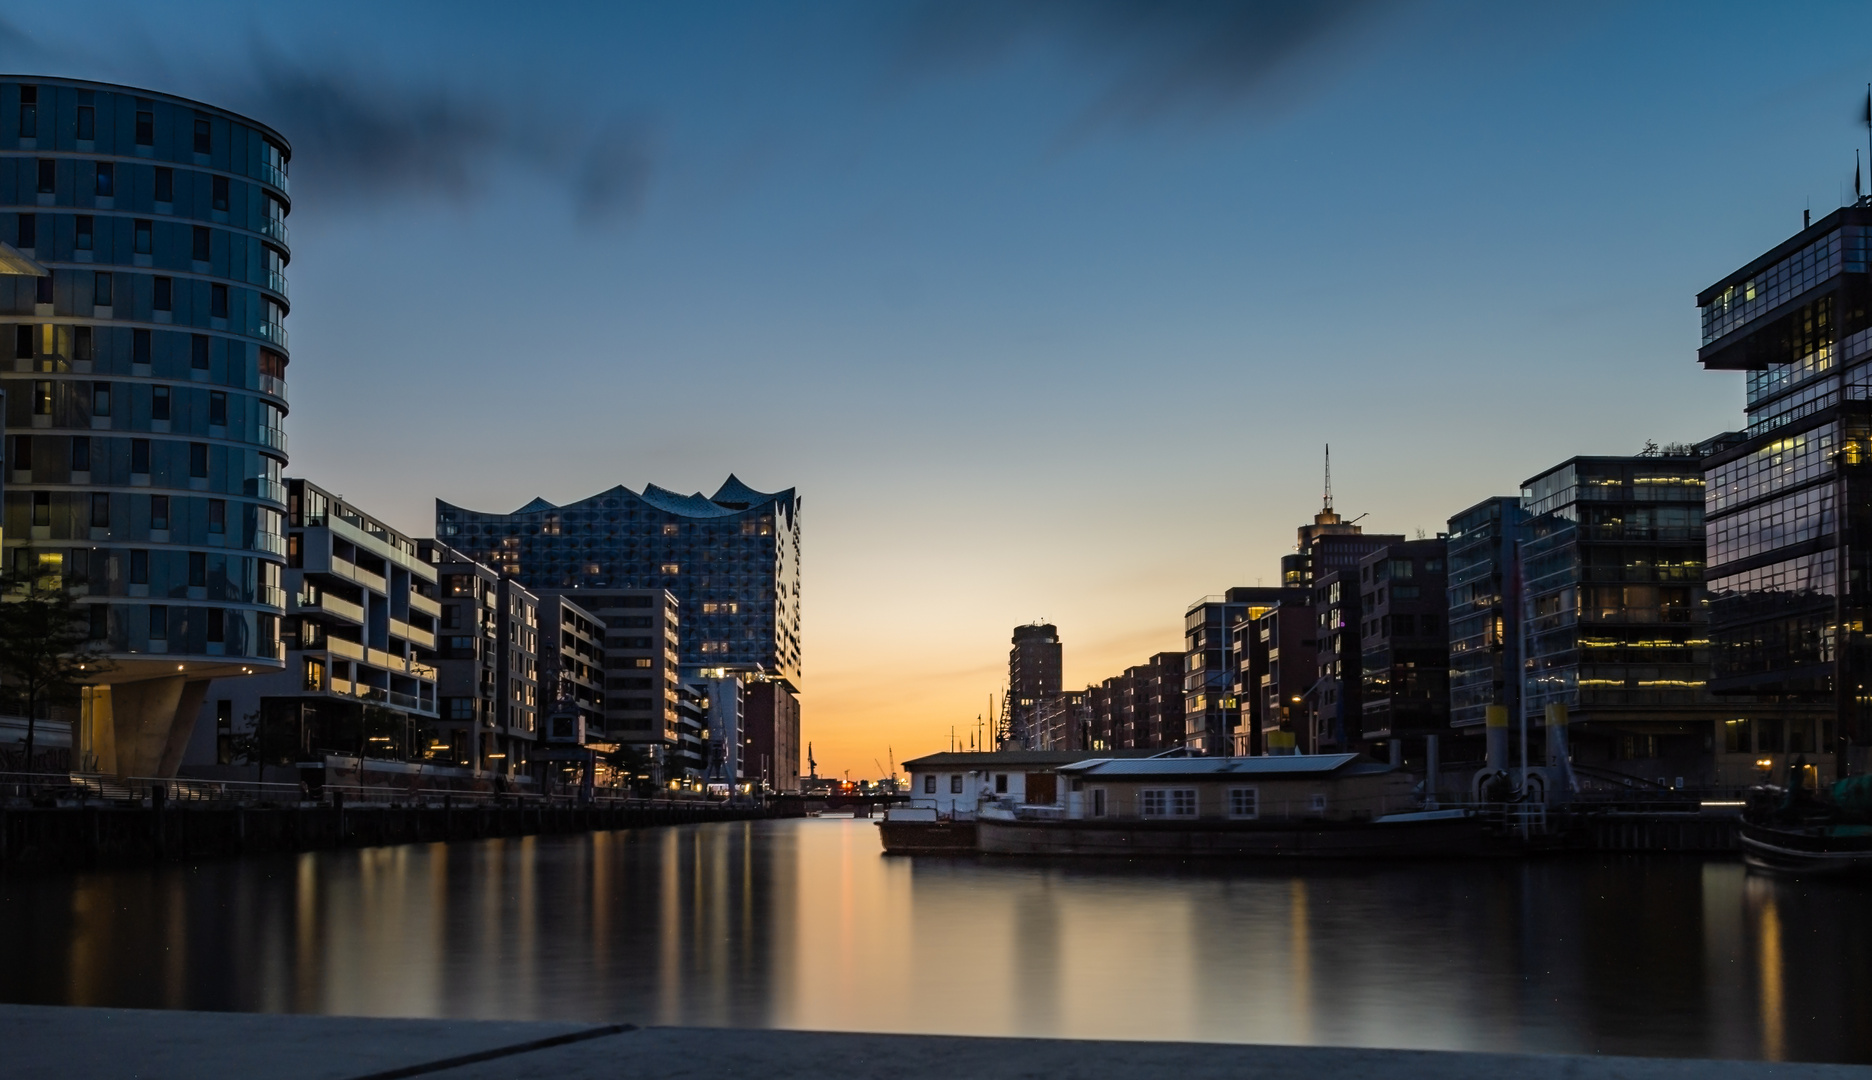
x=54, y=1043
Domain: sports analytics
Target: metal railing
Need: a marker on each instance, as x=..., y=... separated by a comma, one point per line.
x=100, y=788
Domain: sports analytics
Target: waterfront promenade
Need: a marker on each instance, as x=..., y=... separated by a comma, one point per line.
x=53, y=1043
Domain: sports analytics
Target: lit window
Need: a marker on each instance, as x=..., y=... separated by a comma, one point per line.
x=672, y=568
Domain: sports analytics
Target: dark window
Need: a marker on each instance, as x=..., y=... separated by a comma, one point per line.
x=81, y=343
x=23, y=343
x=217, y=625
x=42, y=508
x=139, y=346
x=28, y=230
x=146, y=130
x=85, y=226
x=139, y=567
x=217, y=301
x=101, y=289
x=159, y=506
x=197, y=569
x=29, y=112
x=198, y=460
x=220, y=193
x=955, y=783
x=139, y=458
x=42, y=291
x=159, y=623
x=106, y=180
x=217, y=408
x=87, y=122
x=200, y=251
x=203, y=139
x=100, y=621
x=165, y=294
x=198, y=351
x=48, y=176
x=165, y=184
x=81, y=454
x=42, y=398
x=22, y=453
x=159, y=403
x=217, y=515
x=100, y=510
x=144, y=245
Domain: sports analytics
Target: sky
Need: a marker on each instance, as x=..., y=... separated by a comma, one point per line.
x=1046, y=309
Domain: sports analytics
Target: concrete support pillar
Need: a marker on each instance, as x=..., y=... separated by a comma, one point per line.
x=150, y=721
x=1497, y=738
x=95, y=748
x=1556, y=734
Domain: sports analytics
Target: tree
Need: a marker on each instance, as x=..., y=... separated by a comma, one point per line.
x=46, y=649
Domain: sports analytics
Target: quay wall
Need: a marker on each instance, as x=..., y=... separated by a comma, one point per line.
x=81, y=837
x=54, y=1043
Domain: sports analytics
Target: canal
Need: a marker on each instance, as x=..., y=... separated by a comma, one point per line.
x=802, y=924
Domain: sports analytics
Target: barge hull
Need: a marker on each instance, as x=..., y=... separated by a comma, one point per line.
x=1450, y=838
x=928, y=837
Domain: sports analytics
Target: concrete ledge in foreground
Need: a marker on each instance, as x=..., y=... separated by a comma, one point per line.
x=107, y=1044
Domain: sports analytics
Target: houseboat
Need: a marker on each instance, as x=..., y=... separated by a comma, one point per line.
x=947, y=790
x=1294, y=805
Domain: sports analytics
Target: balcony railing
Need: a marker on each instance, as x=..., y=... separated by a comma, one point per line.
x=271, y=437
x=277, y=282
x=271, y=543
x=272, y=384
x=272, y=596
x=261, y=488
x=270, y=174
x=275, y=228
x=273, y=332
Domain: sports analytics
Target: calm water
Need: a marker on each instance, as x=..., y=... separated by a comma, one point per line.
x=802, y=924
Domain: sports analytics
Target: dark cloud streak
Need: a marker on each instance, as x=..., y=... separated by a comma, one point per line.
x=1154, y=59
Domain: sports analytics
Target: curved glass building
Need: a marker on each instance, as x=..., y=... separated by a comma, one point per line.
x=144, y=370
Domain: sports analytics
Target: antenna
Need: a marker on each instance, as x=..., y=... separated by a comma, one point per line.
x=1328, y=496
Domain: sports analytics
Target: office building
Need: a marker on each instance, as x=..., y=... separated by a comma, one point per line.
x=1064, y=722
x=1616, y=628
x=487, y=665
x=1289, y=634
x=1788, y=498
x=1484, y=618
x=1336, y=713
x=360, y=637
x=1142, y=708
x=1212, y=711
x=1404, y=639
x=145, y=390
x=773, y=735
x=730, y=559
x=572, y=663
x=641, y=636
x=1250, y=657
x=1033, y=681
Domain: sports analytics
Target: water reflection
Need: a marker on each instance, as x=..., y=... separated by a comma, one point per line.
x=803, y=924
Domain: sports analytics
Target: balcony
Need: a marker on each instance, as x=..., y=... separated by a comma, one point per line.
x=420, y=603
x=273, y=385
x=261, y=488
x=271, y=437
x=339, y=647
x=275, y=228
x=270, y=543
x=272, y=596
x=358, y=576
x=270, y=174
x=272, y=331
x=337, y=607
x=422, y=639
x=276, y=281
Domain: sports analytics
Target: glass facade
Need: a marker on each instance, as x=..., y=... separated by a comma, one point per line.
x=1613, y=575
x=145, y=373
x=1787, y=503
x=732, y=561
x=1484, y=641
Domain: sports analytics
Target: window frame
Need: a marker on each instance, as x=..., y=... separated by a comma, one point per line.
x=1235, y=812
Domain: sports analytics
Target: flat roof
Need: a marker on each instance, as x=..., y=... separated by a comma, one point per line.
x=988, y=759
x=1220, y=767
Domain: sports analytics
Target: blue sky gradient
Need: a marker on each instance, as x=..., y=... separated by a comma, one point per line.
x=1046, y=315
